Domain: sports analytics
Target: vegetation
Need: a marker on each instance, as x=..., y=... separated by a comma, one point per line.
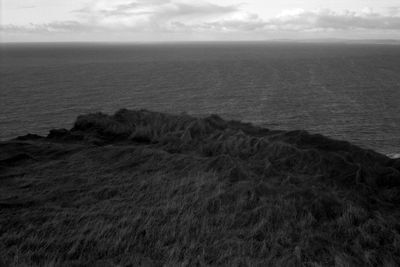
x=152, y=189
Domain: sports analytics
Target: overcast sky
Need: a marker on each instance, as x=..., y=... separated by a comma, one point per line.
x=184, y=20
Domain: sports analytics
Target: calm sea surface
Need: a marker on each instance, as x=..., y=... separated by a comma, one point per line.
x=345, y=91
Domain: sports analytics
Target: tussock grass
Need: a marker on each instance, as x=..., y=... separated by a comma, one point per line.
x=146, y=188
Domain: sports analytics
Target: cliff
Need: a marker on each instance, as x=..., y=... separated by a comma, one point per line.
x=147, y=188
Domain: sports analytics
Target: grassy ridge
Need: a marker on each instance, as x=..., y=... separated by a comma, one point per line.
x=147, y=188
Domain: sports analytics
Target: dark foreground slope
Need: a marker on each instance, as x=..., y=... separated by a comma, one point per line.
x=145, y=188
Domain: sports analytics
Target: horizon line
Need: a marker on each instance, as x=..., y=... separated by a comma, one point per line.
x=286, y=40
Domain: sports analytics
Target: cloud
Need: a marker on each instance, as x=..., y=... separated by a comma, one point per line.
x=393, y=10
x=169, y=9
x=26, y=7
x=245, y=23
x=179, y=16
x=153, y=15
x=154, y=11
x=325, y=19
x=302, y=20
x=52, y=27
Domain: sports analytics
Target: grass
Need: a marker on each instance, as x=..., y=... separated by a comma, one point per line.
x=146, y=188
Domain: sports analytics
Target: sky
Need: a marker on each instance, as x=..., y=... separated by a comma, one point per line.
x=200, y=20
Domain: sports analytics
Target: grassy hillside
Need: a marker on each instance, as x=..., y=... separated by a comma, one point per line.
x=153, y=189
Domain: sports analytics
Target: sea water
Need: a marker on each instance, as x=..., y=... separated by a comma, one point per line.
x=345, y=91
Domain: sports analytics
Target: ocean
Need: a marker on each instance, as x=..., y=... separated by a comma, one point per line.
x=345, y=91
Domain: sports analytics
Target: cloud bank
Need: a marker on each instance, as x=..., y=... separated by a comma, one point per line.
x=172, y=16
